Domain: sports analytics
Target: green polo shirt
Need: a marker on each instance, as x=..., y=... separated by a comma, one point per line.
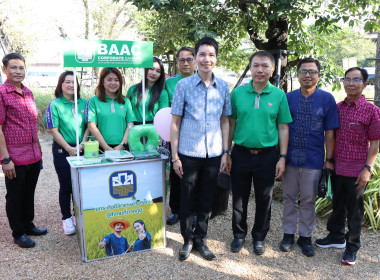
x=60, y=114
x=111, y=119
x=170, y=85
x=257, y=127
x=162, y=102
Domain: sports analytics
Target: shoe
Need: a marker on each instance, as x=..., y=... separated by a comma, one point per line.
x=237, y=244
x=37, y=231
x=68, y=226
x=24, y=241
x=185, y=251
x=287, y=242
x=306, y=246
x=328, y=243
x=259, y=247
x=206, y=252
x=349, y=257
x=173, y=219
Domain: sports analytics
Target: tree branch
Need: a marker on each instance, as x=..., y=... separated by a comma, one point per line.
x=262, y=6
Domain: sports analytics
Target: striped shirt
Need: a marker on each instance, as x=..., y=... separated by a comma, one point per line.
x=359, y=124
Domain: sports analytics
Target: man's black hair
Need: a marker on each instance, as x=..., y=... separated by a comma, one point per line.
x=309, y=60
x=206, y=41
x=10, y=56
x=263, y=54
x=189, y=49
x=362, y=70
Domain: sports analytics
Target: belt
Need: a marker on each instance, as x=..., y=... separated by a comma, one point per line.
x=253, y=151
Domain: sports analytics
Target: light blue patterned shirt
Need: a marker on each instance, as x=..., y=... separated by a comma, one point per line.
x=201, y=109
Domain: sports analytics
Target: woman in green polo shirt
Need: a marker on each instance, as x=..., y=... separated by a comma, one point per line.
x=109, y=114
x=61, y=123
x=156, y=97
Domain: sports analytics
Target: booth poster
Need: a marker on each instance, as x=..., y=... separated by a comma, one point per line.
x=119, y=207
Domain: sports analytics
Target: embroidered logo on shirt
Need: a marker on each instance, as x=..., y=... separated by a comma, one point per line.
x=270, y=104
x=82, y=111
x=121, y=107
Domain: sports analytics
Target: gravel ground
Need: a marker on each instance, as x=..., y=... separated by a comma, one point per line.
x=57, y=256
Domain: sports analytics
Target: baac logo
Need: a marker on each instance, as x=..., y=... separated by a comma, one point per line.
x=123, y=184
x=85, y=52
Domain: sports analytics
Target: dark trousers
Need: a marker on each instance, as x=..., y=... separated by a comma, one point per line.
x=198, y=186
x=175, y=191
x=62, y=168
x=260, y=168
x=348, y=202
x=20, y=198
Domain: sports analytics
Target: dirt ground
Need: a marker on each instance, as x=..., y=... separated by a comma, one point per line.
x=57, y=256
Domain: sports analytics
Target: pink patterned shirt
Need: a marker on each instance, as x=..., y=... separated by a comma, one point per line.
x=18, y=118
x=359, y=124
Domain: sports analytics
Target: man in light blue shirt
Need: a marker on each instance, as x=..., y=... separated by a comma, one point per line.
x=199, y=138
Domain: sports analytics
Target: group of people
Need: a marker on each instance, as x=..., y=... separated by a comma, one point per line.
x=116, y=244
x=271, y=135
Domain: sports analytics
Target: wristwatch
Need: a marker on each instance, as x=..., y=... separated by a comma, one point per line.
x=330, y=160
x=284, y=156
x=6, y=160
x=125, y=146
x=369, y=167
x=226, y=151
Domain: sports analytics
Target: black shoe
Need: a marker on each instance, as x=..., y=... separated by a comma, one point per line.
x=24, y=241
x=185, y=251
x=205, y=252
x=237, y=244
x=259, y=247
x=306, y=246
x=349, y=257
x=37, y=231
x=287, y=242
x=173, y=219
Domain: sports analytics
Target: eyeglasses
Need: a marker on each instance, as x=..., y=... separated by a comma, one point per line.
x=188, y=60
x=354, y=80
x=303, y=72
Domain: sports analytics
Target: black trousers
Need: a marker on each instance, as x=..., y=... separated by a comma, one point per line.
x=175, y=191
x=62, y=168
x=198, y=186
x=20, y=198
x=261, y=169
x=348, y=202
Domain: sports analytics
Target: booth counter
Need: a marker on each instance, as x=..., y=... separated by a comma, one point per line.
x=124, y=191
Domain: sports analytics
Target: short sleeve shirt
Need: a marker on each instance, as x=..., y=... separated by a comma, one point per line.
x=312, y=116
x=60, y=114
x=163, y=102
x=170, y=85
x=111, y=117
x=201, y=109
x=359, y=124
x=18, y=118
x=258, y=115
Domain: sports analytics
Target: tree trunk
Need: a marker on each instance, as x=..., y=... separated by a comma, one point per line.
x=377, y=73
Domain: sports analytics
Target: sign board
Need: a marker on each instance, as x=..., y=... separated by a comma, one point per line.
x=106, y=53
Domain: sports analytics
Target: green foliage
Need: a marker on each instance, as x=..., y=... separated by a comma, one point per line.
x=371, y=200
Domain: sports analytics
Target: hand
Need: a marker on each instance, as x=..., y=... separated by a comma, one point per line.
x=81, y=147
x=102, y=244
x=363, y=178
x=177, y=166
x=72, y=151
x=108, y=148
x=130, y=248
x=119, y=148
x=328, y=165
x=142, y=236
x=280, y=168
x=9, y=170
x=225, y=164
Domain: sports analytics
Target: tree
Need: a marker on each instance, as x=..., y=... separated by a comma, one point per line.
x=279, y=22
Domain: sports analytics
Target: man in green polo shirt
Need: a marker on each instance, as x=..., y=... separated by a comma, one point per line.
x=186, y=65
x=259, y=121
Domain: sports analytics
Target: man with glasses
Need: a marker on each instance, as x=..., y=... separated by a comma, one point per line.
x=315, y=116
x=186, y=65
x=259, y=121
x=356, y=148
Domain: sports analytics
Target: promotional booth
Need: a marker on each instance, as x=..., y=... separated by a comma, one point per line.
x=116, y=194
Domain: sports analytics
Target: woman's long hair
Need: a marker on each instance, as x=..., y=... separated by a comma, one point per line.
x=156, y=89
x=100, y=90
x=58, y=90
